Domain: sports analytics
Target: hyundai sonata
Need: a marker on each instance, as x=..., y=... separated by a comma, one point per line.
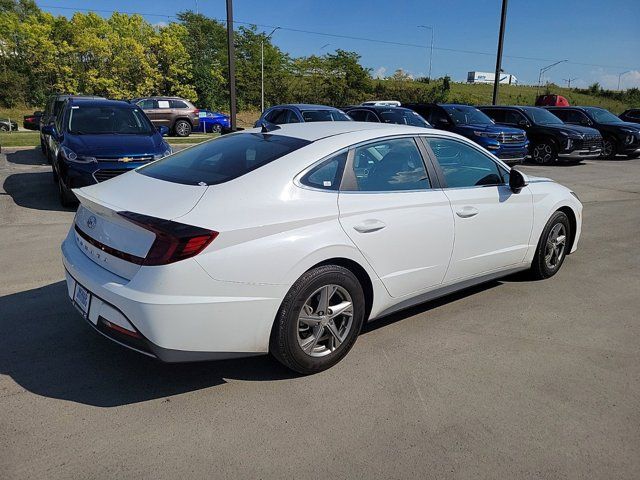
x=287, y=239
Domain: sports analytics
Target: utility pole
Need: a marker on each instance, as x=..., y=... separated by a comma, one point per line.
x=232, y=65
x=430, y=48
x=569, y=80
x=620, y=76
x=544, y=69
x=262, y=67
x=496, y=80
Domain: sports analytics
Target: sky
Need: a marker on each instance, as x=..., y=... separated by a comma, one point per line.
x=599, y=38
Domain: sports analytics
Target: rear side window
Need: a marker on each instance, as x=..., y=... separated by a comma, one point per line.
x=328, y=174
x=222, y=159
x=496, y=115
x=324, y=116
x=178, y=104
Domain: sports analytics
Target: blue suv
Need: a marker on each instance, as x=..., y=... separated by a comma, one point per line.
x=508, y=144
x=95, y=140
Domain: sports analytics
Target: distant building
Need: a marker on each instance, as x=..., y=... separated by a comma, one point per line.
x=488, y=77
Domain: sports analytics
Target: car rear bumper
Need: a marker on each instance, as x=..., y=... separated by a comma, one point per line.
x=156, y=313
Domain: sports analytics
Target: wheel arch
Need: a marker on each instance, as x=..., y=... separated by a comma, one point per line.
x=573, y=224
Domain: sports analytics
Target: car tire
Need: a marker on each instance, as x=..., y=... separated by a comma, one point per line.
x=4, y=128
x=67, y=198
x=216, y=128
x=609, y=148
x=54, y=174
x=553, y=247
x=182, y=128
x=306, y=337
x=544, y=152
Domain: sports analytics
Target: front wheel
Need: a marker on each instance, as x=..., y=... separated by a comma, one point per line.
x=66, y=196
x=545, y=152
x=216, y=128
x=319, y=320
x=608, y=148
x=552, y=247
x=182, y=128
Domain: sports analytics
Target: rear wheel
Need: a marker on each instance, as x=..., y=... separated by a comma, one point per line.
x=182, y=128
x=545, y=152
x=552, y=247
x=319, y=320
x=609, y=148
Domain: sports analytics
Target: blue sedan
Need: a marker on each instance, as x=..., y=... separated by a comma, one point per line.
x=212, y=122
x=95, y=140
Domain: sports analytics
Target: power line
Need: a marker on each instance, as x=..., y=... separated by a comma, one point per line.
x=346, y=37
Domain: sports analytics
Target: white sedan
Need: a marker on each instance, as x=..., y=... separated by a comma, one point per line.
x=287, y=239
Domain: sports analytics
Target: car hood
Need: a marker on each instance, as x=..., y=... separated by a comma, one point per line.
x=115, y=145
x=483, y=127
x=630, y=125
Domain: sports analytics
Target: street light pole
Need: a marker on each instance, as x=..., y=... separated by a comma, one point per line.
x=496, y=80
x=620, y=76
x=232, y=65
x=544, y=69
x=430, y=48
x=569, y=80
x=262, y=67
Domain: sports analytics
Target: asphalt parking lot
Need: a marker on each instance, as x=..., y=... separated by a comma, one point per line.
x=513, y=379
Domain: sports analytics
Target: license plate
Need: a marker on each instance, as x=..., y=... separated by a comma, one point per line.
x=82, y=298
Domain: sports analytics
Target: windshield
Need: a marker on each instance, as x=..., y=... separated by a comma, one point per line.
x=601, y=115
x=403, y=117
x=105, y=120
x=324, y=116
x=467, y=115
x=541, y=116
x=222, y=159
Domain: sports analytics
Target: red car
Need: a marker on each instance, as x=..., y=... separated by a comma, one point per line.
x=551, y=101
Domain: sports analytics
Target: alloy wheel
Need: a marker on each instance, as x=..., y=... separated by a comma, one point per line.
x=607, y=148
x=555, y=246
x=325, y=320
x=543, y=153
x=182, y=129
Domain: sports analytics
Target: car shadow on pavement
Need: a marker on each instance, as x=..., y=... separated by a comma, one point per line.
x=34, y=190
x=27, y=157
x=47, y=349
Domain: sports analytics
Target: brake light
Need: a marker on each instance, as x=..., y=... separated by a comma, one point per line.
x=174, y=241
x=196, y=111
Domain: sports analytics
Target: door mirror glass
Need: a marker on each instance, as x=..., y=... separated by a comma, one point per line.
x=517, y=180
x=164, y=130
x=523, y=123
x=49, y=129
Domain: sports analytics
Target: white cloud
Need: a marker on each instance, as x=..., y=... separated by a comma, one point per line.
x=160, y=24
x=610, y=80
x=379, y=72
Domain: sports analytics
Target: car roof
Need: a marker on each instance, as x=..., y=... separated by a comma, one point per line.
x=313, y=131
x=101, y=102
x=377, y=108
x=64, y=96
x=305, y=106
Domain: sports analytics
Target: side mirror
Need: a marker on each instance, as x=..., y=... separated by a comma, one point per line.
x=443, y=122
x=585, y=122
x=517, y=180
x=163, y=129
x=523, y=123
x=49, y=130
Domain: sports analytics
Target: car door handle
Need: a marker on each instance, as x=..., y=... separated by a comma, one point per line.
x=467, y=212
x=369, y=226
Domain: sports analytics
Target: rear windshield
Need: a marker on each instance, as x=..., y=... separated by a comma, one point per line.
x=403, y=117
x=324, y=116
x=222, y=159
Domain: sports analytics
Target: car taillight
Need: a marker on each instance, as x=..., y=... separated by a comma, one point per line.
x=174, y=241
x=196, y=111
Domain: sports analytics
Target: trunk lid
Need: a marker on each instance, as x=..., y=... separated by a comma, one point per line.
x=112, y=241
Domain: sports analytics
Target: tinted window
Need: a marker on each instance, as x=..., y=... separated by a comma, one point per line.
x=389, y=165
x=147, y=104
x=327, y=175
x=496, y=115
x=464, y=115
x=403, y=117
x=513, y=117
x=279, y=117
x=542, y=116
x=324, y=116
x=571, y=116
x=601, y=115
x=178, y=104
x=359, y=115
x=464, y=166
x=222, y=159
x=634, y=113
x=57, y=106
x=110, y=119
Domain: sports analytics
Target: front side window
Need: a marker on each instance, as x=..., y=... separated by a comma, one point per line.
x=327, y=175
x=222, y=159
x=513, y=117
x=389, y=165
x=97, y=120
x=463, y=165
